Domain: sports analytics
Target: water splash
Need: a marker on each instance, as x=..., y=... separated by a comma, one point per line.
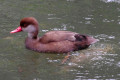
x=91, y=54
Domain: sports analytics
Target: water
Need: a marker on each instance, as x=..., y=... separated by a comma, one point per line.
x=98, y=18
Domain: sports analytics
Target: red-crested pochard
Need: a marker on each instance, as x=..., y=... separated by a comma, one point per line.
x=52, y=41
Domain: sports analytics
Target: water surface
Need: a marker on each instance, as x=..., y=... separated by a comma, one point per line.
x=97, y=18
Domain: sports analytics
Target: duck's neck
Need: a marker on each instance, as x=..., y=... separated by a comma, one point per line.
x=33, y=35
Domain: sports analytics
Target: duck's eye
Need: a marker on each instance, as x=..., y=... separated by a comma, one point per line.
x=24, y=25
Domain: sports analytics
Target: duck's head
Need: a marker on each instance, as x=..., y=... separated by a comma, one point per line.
x=28, y=24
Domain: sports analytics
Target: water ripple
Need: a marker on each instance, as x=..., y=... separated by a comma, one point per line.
x=105, y=37
x=108, y=1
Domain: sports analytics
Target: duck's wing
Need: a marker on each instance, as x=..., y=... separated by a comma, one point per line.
x=56, y=36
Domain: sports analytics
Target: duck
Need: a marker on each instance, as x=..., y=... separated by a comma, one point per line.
x=52, y=41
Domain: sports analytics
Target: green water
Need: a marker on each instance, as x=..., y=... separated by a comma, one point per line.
x=97, y=18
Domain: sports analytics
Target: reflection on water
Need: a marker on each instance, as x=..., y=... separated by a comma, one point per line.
x=95, y=57
x=118, y=1
x=95, y=52
x=52, y=16
x=105, y=37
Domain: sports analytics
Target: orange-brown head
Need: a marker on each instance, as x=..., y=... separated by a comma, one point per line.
x=28, y=24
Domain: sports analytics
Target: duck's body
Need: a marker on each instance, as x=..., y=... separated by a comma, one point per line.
x=53, y=41
x=56, y=36
x=63, y=45
x=54, y=47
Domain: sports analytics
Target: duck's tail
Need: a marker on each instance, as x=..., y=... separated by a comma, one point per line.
x=90, y=40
